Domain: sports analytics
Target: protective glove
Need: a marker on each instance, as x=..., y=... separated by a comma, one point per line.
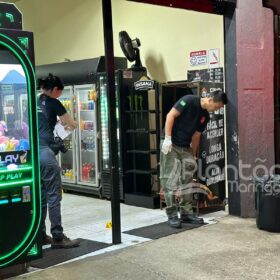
x=166, y=145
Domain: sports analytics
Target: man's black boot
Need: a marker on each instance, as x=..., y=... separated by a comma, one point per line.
x=65, y=243
x=174, y=222
x=190, y=218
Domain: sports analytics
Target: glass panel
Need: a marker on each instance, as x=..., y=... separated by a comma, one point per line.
x=67, y=162
x=14, y=116
x=87, y=135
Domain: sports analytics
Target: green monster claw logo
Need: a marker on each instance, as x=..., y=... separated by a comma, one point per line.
x=183, y=103
x=10, y=17
x=24, y=41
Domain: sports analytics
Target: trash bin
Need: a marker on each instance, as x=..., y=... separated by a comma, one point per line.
x=267, y=202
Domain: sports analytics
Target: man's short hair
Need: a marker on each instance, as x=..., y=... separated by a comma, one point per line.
x=219, y=96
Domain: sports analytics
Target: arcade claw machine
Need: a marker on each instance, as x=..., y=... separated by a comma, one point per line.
x=20, y=208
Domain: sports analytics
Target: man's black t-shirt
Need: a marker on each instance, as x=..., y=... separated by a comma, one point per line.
x=192, y=118
x=49, y=109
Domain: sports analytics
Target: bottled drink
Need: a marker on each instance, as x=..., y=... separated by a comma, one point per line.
x=84, y=173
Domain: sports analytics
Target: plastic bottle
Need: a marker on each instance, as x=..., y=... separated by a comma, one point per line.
x=88, y=171
x=70, y=173
x=84, y=171
x=82, y=124
x=92, y=171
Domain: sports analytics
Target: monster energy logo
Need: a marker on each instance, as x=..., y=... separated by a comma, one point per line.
x=144, y=85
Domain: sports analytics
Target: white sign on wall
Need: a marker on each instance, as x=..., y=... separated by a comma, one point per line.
x=214, y=58
x=198, y=58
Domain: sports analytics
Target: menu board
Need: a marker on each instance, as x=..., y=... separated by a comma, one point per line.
x=215, y=75
x=212, y=146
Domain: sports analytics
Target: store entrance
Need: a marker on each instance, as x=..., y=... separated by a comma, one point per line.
x=205, y=67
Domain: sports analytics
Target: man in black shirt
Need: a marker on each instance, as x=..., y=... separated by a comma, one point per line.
x=183, y=127
x=50, y=110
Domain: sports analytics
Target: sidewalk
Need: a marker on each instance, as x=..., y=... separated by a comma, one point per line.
x=233, y=248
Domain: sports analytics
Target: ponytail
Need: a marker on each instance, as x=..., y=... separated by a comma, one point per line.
x=50, y=82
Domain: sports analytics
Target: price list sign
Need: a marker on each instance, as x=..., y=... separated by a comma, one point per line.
x=212, y=146
x=215, y=75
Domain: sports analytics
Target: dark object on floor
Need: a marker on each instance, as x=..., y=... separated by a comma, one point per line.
x=65, y=243
x=267, y=202
x=55, y=256
x=12, y=271
x=174, y=222
x=160, y=230
x=47, y=240
x=188, y=218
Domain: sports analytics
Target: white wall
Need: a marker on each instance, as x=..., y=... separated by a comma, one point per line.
x=73, y=29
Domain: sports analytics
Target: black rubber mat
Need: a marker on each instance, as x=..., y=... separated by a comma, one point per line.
x=160, y=230
x=55, y=256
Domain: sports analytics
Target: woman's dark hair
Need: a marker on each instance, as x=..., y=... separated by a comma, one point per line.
x=50, y=82
x=219, y=96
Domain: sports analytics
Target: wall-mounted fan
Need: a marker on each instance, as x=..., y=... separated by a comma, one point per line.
x=130, y=49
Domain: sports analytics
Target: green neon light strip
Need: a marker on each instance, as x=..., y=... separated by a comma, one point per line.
x=16, y=199
x=32, y=153
x=4, y=201
x=23, y=169
x=16, y=183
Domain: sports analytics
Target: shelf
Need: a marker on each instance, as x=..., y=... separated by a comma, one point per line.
x=92, y=151
x=152, y=131
x=143, y=111
x=139, y=171
x=86, y=110
x=145, y=152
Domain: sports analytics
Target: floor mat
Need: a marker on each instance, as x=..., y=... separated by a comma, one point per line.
x=55, y=256
x=160, y=230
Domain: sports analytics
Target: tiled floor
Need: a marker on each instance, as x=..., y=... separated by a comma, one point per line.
x=86, y=217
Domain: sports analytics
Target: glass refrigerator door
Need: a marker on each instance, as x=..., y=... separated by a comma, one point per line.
x=87, y=135
x=67, y=160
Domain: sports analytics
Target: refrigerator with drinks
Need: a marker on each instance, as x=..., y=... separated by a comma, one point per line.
x=80, y=165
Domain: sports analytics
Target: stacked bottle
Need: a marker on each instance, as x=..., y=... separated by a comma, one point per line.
x=88, y=172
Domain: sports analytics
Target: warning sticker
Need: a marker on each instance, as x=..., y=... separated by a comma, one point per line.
x=198, y=58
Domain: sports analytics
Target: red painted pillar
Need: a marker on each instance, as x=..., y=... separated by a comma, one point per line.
x=255, y=96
